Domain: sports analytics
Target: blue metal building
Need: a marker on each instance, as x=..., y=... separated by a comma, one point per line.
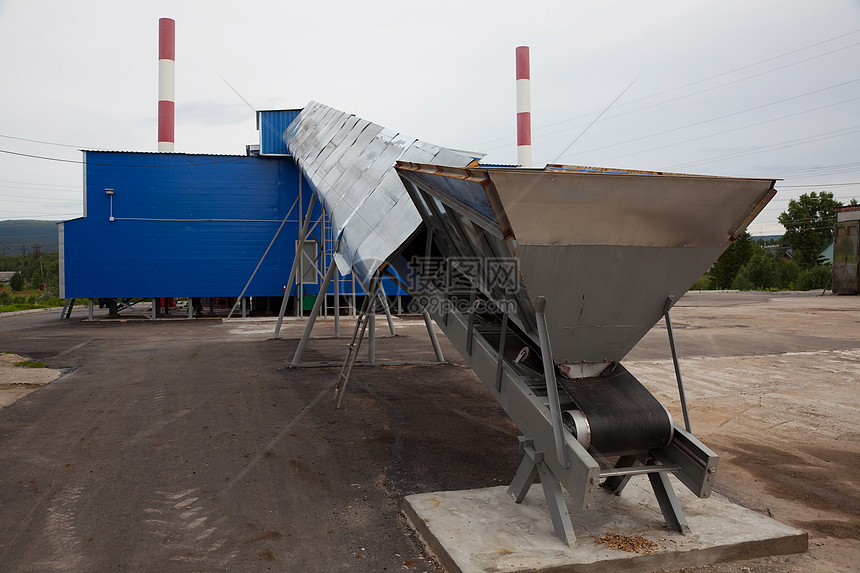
x=183, y=225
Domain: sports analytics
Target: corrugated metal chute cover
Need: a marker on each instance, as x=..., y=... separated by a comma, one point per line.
x=185, y=225
x=350, y=165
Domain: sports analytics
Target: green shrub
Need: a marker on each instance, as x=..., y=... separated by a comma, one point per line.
x=813, y=278
x=788, y=272
x=704, y=283
x=742, y=281
x=17, y=282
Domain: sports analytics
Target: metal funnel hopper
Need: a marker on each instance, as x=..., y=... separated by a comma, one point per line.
x=604, y=248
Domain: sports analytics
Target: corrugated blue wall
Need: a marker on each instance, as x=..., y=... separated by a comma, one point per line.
x=184, y=225
x=272, y=125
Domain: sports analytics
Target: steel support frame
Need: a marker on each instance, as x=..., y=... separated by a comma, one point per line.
x=296, y=264
x=530, y=469
x=355, y=344
x=669, y=302
x=571, y=464
x=68, y=305
x=658, y=476
x=528, y=411
x=309, y=326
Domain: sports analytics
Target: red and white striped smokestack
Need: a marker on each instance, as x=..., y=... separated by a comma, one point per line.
x=166, y=82
x=524, y=108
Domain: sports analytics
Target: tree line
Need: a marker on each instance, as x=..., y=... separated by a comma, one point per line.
x=35, y=268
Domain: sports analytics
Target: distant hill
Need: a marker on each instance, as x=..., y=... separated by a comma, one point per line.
x=18, y=236
x=765, y=238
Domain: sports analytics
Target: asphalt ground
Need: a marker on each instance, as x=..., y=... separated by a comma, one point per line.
x=187, y=445
x=179, y=445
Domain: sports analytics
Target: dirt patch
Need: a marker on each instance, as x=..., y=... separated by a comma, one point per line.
x=778, y=402
x=18, y=381
x=821, y=486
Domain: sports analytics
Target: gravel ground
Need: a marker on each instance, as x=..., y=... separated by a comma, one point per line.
x=182, y=445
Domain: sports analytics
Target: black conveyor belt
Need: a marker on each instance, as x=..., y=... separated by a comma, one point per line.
x=623, y=415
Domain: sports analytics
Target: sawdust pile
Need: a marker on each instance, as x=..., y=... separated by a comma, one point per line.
x=637, y=544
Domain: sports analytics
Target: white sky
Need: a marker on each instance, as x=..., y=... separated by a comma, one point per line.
x=767, y=88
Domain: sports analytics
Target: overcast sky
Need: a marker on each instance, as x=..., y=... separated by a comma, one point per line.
x=727, y=87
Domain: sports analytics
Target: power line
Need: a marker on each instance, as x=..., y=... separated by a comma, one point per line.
x=36, y=200
x=236, y=158
x=571, y=144
x=826, y=170
x=650, y=96
x=43, y=142
x=33, y=183
x=811, y=185
x=715, y=134
x=774, y=147
x=69, y=190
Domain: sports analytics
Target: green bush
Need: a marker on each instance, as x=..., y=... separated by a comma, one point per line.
x=813, y=278
x=704, y=283
x=742, y=281
x=17, y=282
x=788, y=272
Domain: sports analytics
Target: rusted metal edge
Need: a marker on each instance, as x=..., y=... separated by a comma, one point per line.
x=554, y=167
x=754, y=212
x=471, y=174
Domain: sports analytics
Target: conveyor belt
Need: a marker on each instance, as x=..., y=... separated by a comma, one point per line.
x=623, y=416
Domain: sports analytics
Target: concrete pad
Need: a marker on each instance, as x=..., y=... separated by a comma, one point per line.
x=484, y=530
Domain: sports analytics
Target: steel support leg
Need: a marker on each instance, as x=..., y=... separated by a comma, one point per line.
x=530, y=469
x=551, y=384
x=354, y=348
x=668, y=502
x=300, y=350
x=336, y=302
x=387, y=309
x=526, y=475
x=289, y=285
x=669, y=302
x=371, y=334
x=470, y=329
x=91, y=310
x=434, y=340
x=501, y=357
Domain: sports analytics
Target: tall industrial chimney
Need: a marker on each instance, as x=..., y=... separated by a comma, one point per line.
x=166, y=82
x=524, y=108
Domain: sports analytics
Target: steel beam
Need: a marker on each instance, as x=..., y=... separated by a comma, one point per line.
x=296, y=262
x=300, y=349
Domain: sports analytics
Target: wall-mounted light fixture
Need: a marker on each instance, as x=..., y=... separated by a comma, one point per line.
x=109, y=193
